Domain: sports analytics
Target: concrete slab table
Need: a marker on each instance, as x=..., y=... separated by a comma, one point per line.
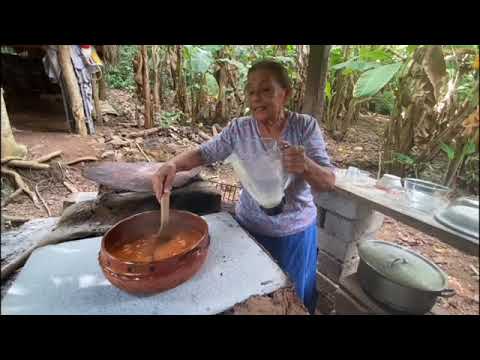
x=66, y=279
x=398, y=208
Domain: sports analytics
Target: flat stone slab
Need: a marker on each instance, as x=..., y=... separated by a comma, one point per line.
x=67, y=279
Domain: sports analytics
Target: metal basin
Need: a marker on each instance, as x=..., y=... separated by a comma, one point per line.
x=462, y=215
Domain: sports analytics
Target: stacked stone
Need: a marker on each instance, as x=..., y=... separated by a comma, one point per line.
x=343, y=222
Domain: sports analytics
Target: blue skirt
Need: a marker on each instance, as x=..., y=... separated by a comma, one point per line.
x=297, y=256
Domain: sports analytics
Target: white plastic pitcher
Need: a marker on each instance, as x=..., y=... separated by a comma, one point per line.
x=259, y=167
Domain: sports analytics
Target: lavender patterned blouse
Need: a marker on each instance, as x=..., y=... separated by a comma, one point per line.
x=299, y=211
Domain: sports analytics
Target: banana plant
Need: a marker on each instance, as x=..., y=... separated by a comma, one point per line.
x=357, y=79
x=456, y=159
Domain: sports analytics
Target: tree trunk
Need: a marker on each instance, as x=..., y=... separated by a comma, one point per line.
x=138, y=72
x=201, y=99
x=296, y=101
x=102, y=89
x=341, y=97
x=181, y=82
x=9, y=145
x=146, y=89
x=156, y=79
x=221, y=77
x=109, y=55
x=96, y=101
x=73, y=90
x=316, y=79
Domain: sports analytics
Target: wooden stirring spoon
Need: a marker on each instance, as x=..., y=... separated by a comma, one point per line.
x=164, y=217
x=164, y=211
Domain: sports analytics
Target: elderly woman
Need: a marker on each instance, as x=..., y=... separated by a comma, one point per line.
x=291, y=236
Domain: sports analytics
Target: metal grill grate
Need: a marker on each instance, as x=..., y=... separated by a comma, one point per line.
x=230, y=193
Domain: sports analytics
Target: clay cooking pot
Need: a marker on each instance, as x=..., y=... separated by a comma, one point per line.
x=158, y=275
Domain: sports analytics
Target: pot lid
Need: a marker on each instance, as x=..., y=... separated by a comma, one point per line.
x=402, y=266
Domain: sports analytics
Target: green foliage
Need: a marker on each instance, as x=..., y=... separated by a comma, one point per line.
x=213, y=48
x=384, y=102
x=411, y=49
x=469, y=148
x=241, y=67
x=448, y=150
x=372, y=81
x=409, y=161
x=404, y=159
x=466, y=88
x=121, y=75
x=336, y=56
x=169, y=118
x=200, y=59
x=212, y=85
x=328, y=90
x=470, y=174
x=355, y=65
x=376, y=55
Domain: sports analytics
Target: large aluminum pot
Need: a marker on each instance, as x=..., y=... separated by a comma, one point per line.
x=399, y=278
x=155, y=276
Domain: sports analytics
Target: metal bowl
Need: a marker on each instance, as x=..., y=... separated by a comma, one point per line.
x=462, y=215
x=425, y=195
x=155, y=276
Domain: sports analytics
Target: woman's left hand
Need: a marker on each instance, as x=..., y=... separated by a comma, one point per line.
x=294, y=159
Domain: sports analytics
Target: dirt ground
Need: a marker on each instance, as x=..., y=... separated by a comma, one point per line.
x=359, y=148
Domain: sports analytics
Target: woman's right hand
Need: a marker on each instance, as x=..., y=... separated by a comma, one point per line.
x=162, y=180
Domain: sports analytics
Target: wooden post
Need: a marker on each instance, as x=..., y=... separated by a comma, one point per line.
x=96, y=101
x=316, y=79
x=146, y=89
x=73, y=90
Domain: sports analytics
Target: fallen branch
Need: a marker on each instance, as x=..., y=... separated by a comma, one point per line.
x=203, y=135
x=144, y=132
x=86, y=158
x=11, y=197
x=20, y=184
x=64, y=172
x=28, y=164
x=41, y=199
x=49, y=156
x=16, y=219
x=10, y=158
x=474, y=269
x=143, y=153
x=71, y=188
x=175, y=137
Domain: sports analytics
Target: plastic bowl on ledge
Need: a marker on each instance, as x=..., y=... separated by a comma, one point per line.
x=425, y=195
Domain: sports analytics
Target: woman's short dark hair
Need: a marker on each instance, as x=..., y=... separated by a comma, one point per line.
x=276, y=69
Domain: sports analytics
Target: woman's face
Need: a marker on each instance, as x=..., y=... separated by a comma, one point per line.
x=265, y=95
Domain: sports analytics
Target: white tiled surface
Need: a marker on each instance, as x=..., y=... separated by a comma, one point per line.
x=66, y=279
